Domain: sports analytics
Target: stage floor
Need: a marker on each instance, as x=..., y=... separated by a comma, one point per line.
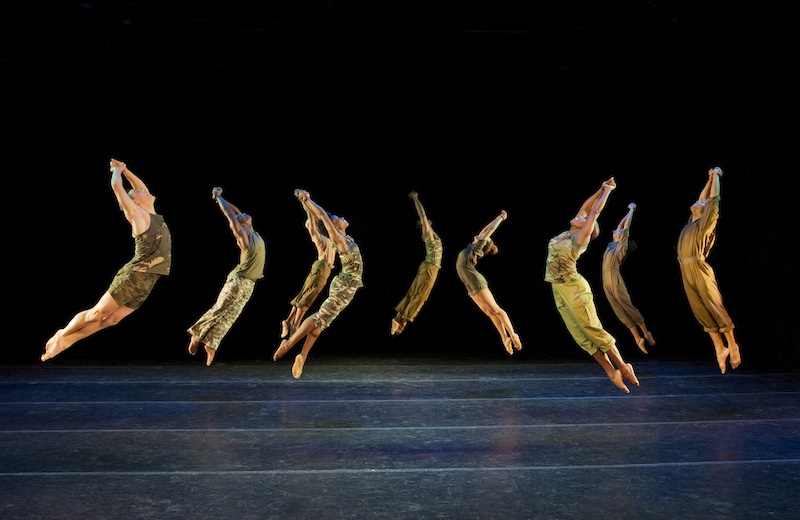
x=397, y=439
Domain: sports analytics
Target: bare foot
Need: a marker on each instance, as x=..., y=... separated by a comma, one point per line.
x=284, y=329
x=722, y=359
x=736, y=357
x=616, y=378
x=193, y=344
x=630, y=375
x=54, y=346
x=517, y=341
x=395, y=327
x=508, y=344
x=640, y=344
x=650, y=339
x=210, y=353
x=282, y=349
x=297, y=368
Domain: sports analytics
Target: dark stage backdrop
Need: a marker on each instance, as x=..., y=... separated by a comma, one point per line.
x=526, y=107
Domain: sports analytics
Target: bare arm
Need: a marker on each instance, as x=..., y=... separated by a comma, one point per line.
x=492, y=226
x=706, y=191
x=585, y=233
x=320, y=214
x=625, y=223
x=320, y=241
x=134, y=180
x=714, y=175
x=427, y=230
x=587, y=205
x=230, y=211
x=135, y=215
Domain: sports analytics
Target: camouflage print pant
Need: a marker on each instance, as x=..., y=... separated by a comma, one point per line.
x=340, y=295
x=217, y=321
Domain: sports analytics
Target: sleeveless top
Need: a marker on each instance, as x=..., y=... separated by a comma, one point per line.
x=352, y=263
x=252, y=259
x=153, y=248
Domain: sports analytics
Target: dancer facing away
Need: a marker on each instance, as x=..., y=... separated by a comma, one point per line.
x=315, y=281
x=239, y=285
x=699, y=281
x=573, y=295
x=427, y=272
x=614, y=286
x=478, y=287
x=342, y=288
x=135, y=280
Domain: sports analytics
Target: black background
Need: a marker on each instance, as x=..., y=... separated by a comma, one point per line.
x=523, y=106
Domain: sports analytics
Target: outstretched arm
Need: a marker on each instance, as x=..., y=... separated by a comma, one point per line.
x=587, y=205
x=492, y=226
x=133, y=214
x=320, y=214
x=625, y=223
x=585, y=234
x=230, y=211
x=713, y=175
x=134, y=180
x=427, y=230
x=711, y=187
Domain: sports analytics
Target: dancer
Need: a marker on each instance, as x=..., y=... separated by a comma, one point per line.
x=573, y=295
x=239, y=285
x=427, y=272
x=342, y=289
x=699, y=281
x=315, y=281
x=478, y=287
x=614, y=286
x=135, y=280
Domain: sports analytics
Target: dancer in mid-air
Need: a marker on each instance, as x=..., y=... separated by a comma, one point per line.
x=427, y=272
x=573, y=295
x=342, y=288
x=699, y=280
x=133, y=283
x=614, y=286
x=478, y=287
x=317, y=277
x=239, y=285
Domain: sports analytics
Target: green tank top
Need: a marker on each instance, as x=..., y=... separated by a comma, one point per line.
x=252, y=259
x=153, y=248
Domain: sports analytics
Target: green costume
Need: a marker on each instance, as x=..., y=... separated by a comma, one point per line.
x=613, y=284
x=699, y=281
x=152, y=259
x=343, y=286
x=422, y=284
x=215, y=323
x=573, y=295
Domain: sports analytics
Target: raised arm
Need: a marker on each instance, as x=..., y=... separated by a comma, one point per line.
x=425, y=224
x=135, y=182
x=320, y=214
x=492, y=226
x=713, y=175
x=585, y=233
x=625, y=223
x=587, y=205
x=230, y=211
x=133, y=213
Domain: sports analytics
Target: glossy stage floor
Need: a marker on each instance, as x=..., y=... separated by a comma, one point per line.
x=397, y=439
